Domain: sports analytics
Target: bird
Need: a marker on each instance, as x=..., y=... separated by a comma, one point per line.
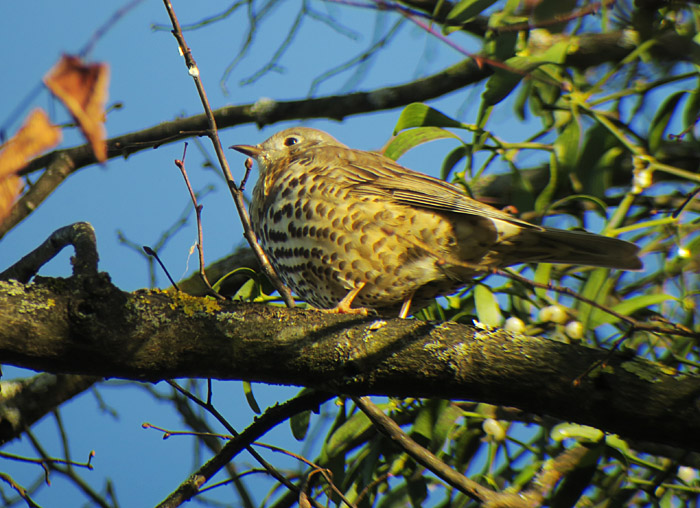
x=350, y=230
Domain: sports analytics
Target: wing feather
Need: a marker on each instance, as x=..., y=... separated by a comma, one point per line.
x=373, y=174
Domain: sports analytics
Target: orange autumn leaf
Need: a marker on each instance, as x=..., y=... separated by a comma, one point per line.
x=34, y=137
x=83, y=90
x=10, y=187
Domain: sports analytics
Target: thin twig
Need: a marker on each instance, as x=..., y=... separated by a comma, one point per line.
x=688, y=199
x=326, y=473
x=269, y=419
x=96, y=498
x=213, y=411
x=425, y=457
x=213, y=134
x=21, y=491
x=197, y=420
x=479, y=59
x=603, y=361
x=50, y=460
x=323, y=471
x=102, y=30
x=364, y=492
x=180, y=163
x=414, y=16
x=233, y=479
x=248, y=167
x=155, y=256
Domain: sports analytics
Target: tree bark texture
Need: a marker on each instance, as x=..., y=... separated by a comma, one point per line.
x=85, y=325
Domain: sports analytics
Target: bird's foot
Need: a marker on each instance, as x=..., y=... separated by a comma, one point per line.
x=348, y=310
x=344, y=305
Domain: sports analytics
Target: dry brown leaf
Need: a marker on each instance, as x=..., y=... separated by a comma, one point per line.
x=10, y=187
x=34, y=137
x=83, y=90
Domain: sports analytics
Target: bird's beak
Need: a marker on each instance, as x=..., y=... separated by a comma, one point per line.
x=250, y=150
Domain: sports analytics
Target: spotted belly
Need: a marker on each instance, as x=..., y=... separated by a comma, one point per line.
x=324, y=246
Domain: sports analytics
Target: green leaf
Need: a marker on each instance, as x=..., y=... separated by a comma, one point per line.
x=251, y=273
x=545, y=197
x=662, y=119
x=556, y=53
x=614, y=441
x=567, y=145
x=466, y=446
x=692, y=110
x=600, y=205
x=621, y=450
x=414, y=137
x=594, y=167
x=421, y=115
x=629, y=306
x=248, y=390
x=503, y=81
x=447, y=417
x=487, y=309
x=422, y=431
x=503, y=46
x=468, y=9
x=452, y=160
x=247, y=292
x=300, y=424
x=542, y=275
x=597, y=288
x=575, y=431
x=348, y=431
x=499, y=85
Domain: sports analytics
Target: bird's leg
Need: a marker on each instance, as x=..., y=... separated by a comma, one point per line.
x=403, y=313
x=343, y=306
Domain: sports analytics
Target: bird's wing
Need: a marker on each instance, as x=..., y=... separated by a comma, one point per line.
x=374, y=174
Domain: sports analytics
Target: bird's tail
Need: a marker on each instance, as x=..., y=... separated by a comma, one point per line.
x=550, y=245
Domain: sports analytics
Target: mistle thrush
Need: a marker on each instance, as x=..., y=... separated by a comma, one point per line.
x=348, y=229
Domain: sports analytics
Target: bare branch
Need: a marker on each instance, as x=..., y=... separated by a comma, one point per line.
x=271, y=418
x=80, y=235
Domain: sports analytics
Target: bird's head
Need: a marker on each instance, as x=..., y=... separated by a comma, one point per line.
x=282, y=144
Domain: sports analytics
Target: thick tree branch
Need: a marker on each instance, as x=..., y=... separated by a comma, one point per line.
x=56, y=171
x=91, y=327
x=80, y=235
x=23, y=402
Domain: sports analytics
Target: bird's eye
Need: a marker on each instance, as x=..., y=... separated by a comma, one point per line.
x=290, y=141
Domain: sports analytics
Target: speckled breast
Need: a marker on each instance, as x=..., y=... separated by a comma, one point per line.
x=324, y=241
